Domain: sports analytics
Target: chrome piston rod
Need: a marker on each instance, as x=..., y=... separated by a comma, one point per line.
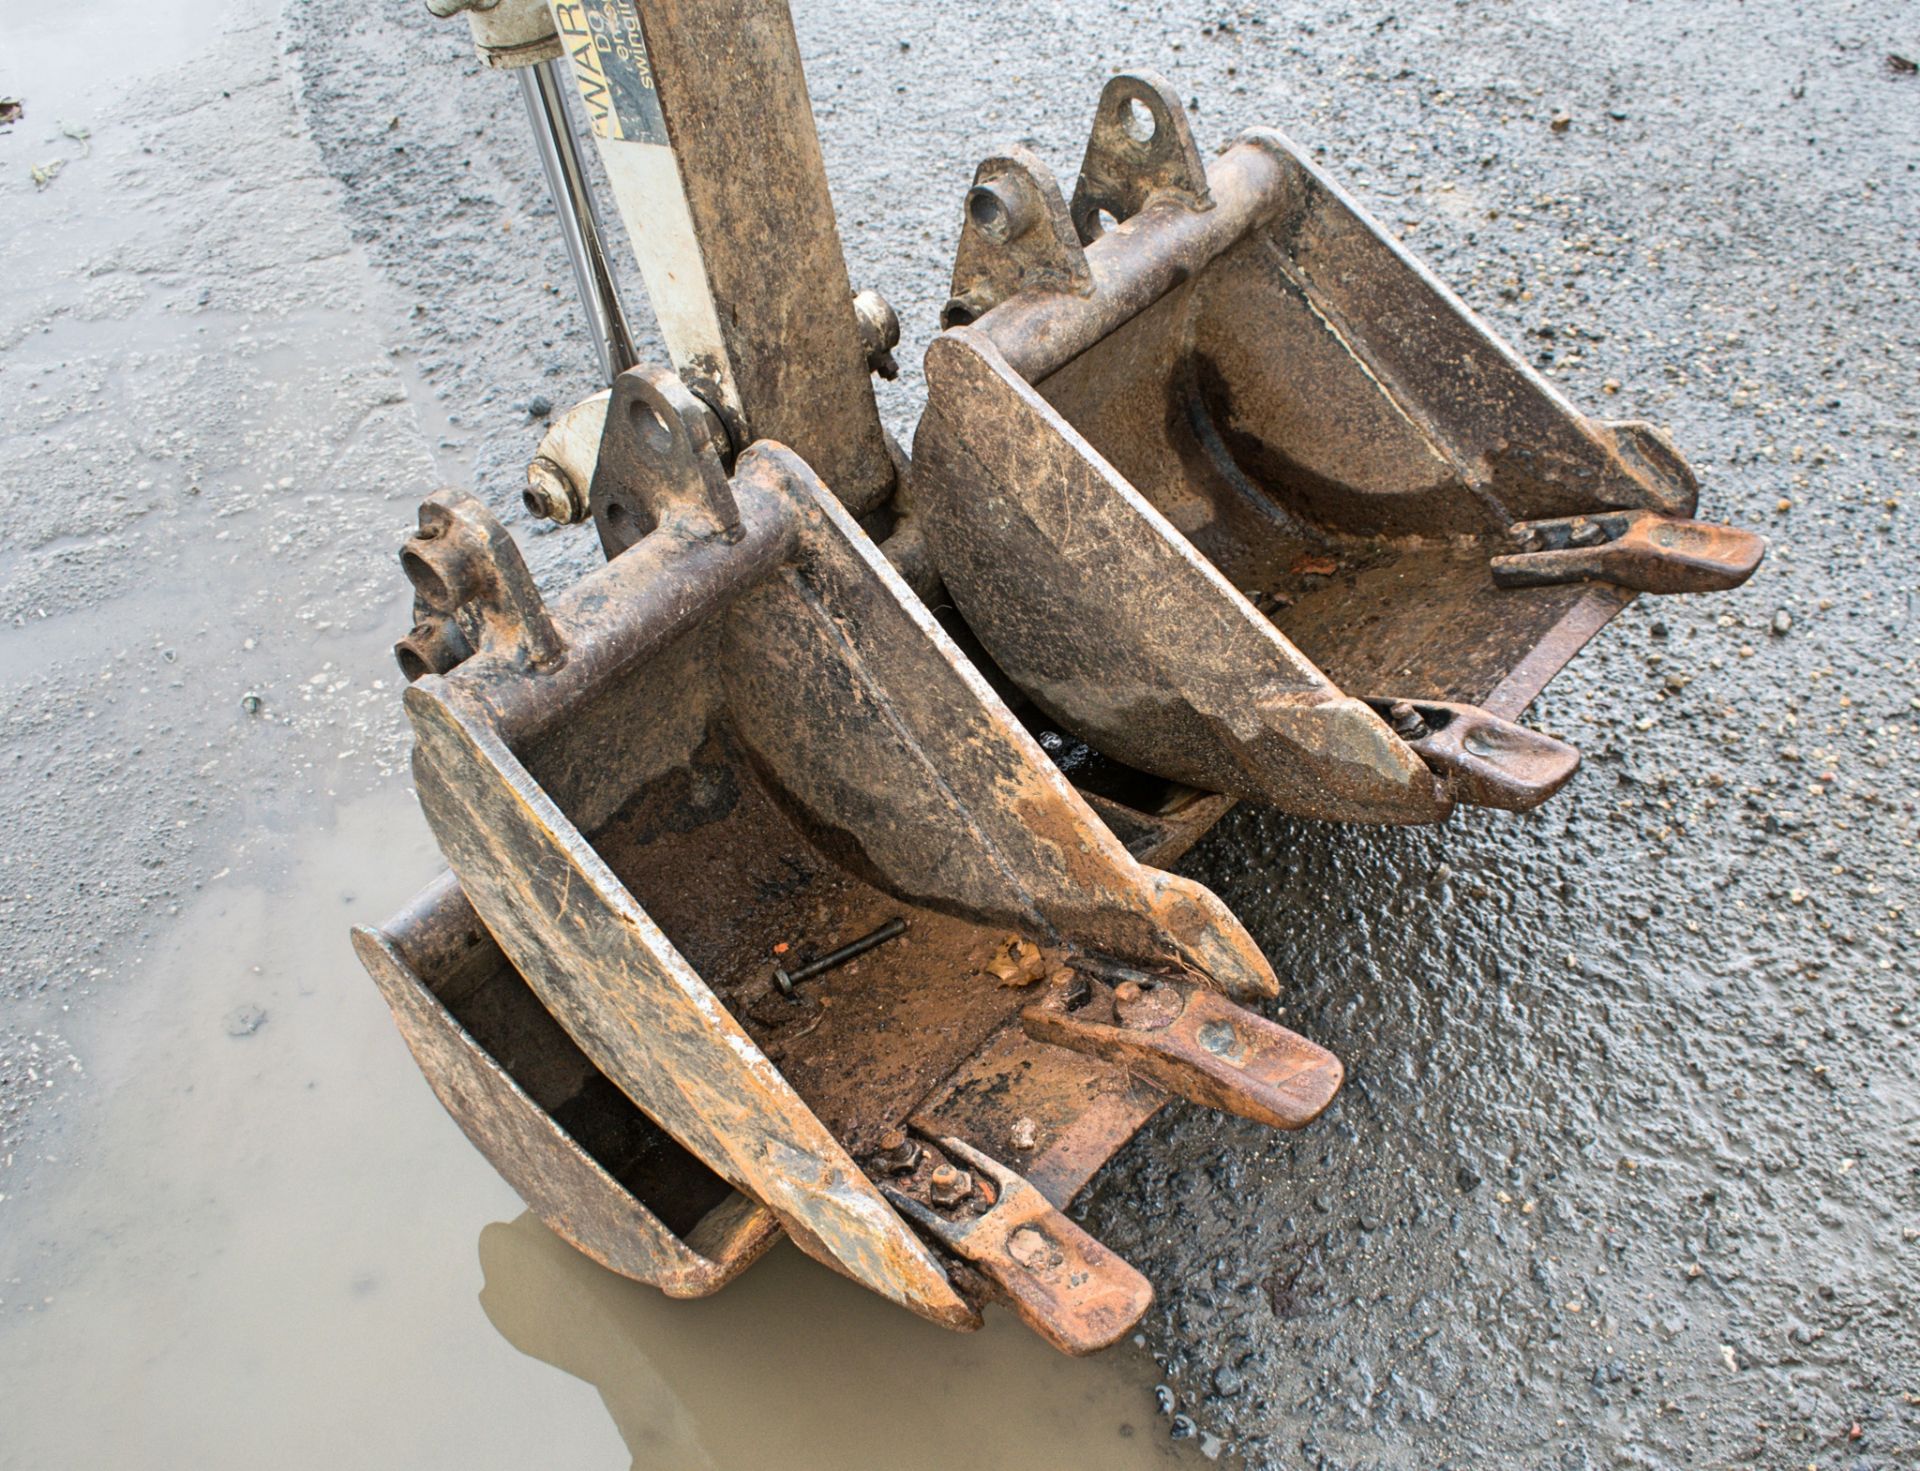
x=553, y=134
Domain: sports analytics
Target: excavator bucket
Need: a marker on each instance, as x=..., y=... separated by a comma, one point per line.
x=1239, y=494
x=669, y=802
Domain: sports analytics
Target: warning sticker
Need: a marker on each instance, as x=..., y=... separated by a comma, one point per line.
x=611, y=68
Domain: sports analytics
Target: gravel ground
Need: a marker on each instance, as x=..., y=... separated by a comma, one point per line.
x=1627, y=1172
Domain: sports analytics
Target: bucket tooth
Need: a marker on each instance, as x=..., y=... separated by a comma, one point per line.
x=1641, y=550
x=1265, y=464
x=1481, y=758
x=741, y=746
x=1191, y=1041
x=1065, y=1285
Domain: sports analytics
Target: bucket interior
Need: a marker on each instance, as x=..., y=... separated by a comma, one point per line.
x=487, y=997
x=1324, y=493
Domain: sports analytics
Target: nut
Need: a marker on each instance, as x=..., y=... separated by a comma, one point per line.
x=948, y=1186
x=899, y=1154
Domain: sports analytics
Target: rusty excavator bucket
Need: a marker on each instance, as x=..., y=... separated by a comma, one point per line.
x=745, y=732
x=1237, y=493
x=777, y=903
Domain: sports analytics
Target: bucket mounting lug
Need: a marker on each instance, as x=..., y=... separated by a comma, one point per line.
x=1016, y=236
x=1141, y=150
x=472, y=593
x=661, y=464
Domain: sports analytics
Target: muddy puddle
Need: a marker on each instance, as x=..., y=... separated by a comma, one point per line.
x=263, y=1243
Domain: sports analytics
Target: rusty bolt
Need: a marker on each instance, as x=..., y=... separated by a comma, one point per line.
x=899, y=1154
x=1586, y=534
x=948, y=1186
x=1406, y=721
x=551, y=494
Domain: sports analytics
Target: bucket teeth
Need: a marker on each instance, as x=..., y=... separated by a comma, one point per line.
x=1194, y=1043
x=1480, y=758
x=1065, y=1285
x=1641, y=550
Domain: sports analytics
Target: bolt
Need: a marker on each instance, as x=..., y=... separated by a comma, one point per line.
x=948, y=1186
x=1586, y=533
x=1407, y=722
x=787, y=980
x=551, y=494
x=879, y=332
x=898, y=1154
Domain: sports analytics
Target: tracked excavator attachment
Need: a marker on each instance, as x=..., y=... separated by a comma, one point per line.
x=780, y=904
x=1238, y=493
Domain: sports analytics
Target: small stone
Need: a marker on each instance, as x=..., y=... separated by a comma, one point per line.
x=251, y=703
x=1729, y=1358
x=539, y=406
x=1561, y=122
x=1782, y=621
x=1024, y=1134
x=1466, y=1179
x=1227, y=1381
x=245, y=1021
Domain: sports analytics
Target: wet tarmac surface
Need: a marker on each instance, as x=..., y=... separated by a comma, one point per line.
x=1627, y=1171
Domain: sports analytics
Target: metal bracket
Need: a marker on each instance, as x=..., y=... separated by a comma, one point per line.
x=660, y=462
x=1641, y=550
x=1141, y=150
x=1066, y=1286
x=1479, y=757
x=1016, y=236
x=1191, y=1041
x=472, y=593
